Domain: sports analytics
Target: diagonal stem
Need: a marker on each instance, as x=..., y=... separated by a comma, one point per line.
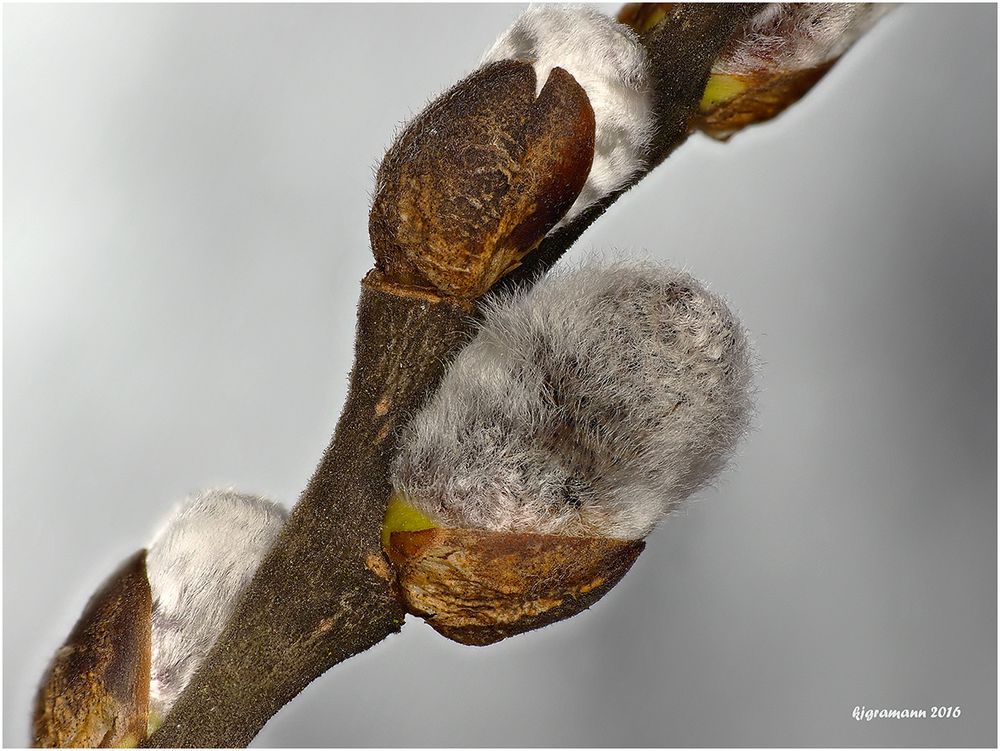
x=325, y=592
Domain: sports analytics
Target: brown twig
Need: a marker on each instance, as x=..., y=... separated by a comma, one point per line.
x=325, y=591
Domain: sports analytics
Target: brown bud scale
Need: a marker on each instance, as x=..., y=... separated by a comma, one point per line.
x=478, y=587
x=766, y=96
x=96, y=692
x=644, y=17
x=478, y=178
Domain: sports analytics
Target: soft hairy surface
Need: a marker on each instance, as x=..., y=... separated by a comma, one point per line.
x=198, y=565
x=591, y=405
x=797, y=36
x=607, y=60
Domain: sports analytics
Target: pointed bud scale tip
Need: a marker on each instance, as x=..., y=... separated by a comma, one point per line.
x=96, y=692
x=584, y=411
x=607, y=59
x=477, y=179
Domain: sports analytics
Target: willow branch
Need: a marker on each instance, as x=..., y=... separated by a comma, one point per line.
x=325, y=592
x=682, y=47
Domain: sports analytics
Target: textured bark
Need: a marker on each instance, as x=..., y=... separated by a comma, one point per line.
x=477, y=587
x=324, y=593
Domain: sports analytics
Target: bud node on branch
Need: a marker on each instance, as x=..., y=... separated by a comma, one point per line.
x=505, y=443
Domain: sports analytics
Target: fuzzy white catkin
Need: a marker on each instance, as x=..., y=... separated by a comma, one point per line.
x=608, y=61
x=198, y=565
x=591, y=405
x=797, y=36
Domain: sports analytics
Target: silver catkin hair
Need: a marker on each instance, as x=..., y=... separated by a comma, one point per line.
x=797, y=36
x=591, y=405
x=198, y=565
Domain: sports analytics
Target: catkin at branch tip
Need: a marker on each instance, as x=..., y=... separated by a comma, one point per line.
x=198, y=565
x=591, y=405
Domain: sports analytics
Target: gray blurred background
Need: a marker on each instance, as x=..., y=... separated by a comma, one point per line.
x=185, y=204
